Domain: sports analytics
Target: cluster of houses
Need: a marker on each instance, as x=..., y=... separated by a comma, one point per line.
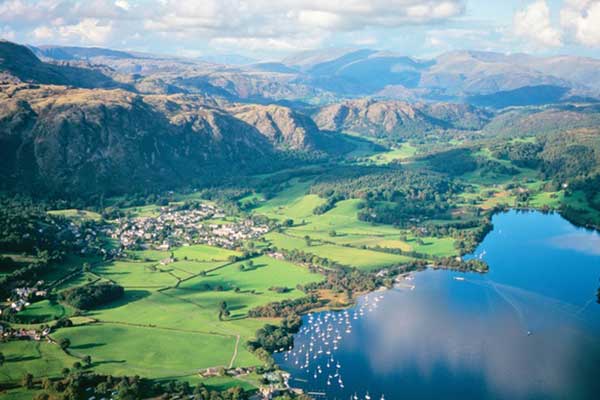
x=176, y=227
x=24, y=334
x=23, y=295
x=277, y=383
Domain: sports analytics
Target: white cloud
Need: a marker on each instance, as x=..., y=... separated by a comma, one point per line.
x=581, y=18
x=533, y=23
x=289, y=25
x=88, y=31
x=267, y=26
x=122, y=4
x=43, y=33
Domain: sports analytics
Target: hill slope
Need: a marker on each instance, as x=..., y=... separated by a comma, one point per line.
x=19, y=62
x=83, y=141
x=398, y=118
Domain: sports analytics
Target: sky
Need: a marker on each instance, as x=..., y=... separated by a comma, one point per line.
x=272, y=29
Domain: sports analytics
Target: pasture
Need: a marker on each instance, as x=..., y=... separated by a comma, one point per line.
x=404, y=152
x=43, y=311
x=40, y=359
x=167, y=325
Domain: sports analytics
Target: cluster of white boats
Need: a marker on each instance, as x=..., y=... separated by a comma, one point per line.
x=320, y=338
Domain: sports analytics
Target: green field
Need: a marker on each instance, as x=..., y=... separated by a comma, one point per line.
x=77, y=214
x=151, y=352
x=37, y=358
x=340, y=236
x=167, y=325
x=43, y=311
x=405, y=151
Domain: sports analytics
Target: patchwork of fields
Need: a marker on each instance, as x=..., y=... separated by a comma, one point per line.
x=167, y=324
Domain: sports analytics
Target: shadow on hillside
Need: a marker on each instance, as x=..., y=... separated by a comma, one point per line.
x=129, y=297
x=87, y=346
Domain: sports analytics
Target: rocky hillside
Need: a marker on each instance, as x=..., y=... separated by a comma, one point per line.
x=84, y=141
x=398, y=118
x=281, y=125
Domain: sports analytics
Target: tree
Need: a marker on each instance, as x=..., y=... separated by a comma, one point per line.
x=77, y=365
x=223, y=311
x=307, y=240
x=87, y=360
x=2, y=359
x=64, y=343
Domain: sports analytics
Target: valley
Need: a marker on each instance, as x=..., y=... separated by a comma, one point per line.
x=166, y=225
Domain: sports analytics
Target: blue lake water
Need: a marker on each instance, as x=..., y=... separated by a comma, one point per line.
x=528, y=329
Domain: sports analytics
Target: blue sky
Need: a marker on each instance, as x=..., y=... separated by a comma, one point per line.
x=268, y=29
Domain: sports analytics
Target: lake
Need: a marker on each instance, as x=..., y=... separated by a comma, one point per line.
x=528, y=329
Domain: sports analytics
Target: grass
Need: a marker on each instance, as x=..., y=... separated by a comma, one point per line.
x=550, y=199
x=292, y=202
x=201, y=252
x=159, y=332
x=40, y=359
x=339, y=235
x=349, y=256
x=151, y=352
x=404, y=152
x=18, y=394
x=43, y=311
x=133, y=274
x=73, y=213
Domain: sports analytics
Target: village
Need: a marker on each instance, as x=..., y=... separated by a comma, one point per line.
x=178, y=227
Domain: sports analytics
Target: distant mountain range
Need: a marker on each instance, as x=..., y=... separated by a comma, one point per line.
x=91, y=120
x=478, y=78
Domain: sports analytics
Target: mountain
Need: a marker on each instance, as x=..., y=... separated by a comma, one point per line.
x=69, y=53
x=391, y=118
x=289, y=129
x=459, y=75
x=82, y=141
x=358, y=72
x=136, y=123
x=523, y=96
x=324, y=76
x=19, y=63
x=227, y=59
x=544, y=120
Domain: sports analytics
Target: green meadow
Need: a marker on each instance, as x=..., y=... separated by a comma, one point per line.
x=43, y=311
x=40, y=359
x=167, y=324
x=340, y=236
x=401, y=153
